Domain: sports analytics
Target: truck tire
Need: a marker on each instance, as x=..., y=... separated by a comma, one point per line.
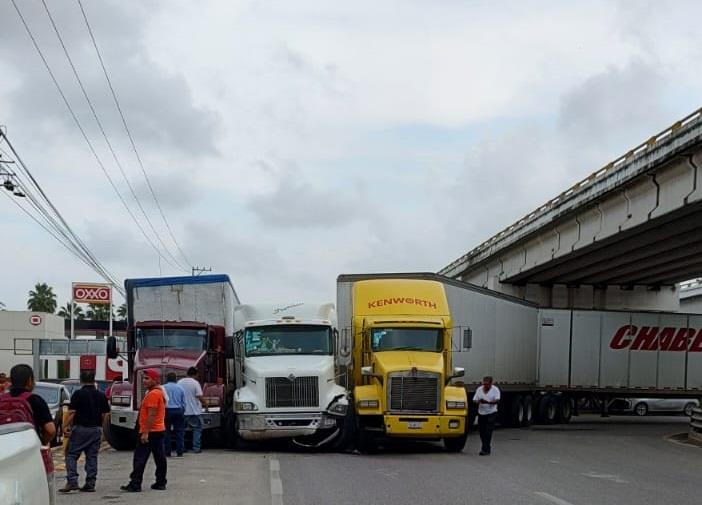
x=121, y=439
x=689, y=407
x=548, y=409
x=528, y=411
x=516, y=411
x=455, y=444
x=565, y=410
x=366, y=440
x=347, y=432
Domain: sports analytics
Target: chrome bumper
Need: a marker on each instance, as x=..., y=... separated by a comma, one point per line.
x=265, y=426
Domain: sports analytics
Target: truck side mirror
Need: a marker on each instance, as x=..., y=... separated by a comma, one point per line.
x=458, y=372
x=111, y=349
x=367, y=370
x=467, y=339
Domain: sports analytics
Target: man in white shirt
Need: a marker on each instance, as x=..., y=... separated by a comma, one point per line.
x=194, y=402
x=487, y=397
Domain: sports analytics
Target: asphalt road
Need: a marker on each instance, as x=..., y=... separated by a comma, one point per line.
x=592, y=461
x=213, y=477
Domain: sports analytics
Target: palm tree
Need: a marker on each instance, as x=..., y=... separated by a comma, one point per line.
x=65, y=311
x=2, y=306
x=122, y=312
x=98, y=312
x=42, y=299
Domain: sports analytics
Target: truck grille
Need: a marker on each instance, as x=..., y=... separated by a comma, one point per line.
x=298, y=392
x=414, y=394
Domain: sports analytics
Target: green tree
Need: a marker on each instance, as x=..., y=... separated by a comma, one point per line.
x=98, y=312
x=42, y=299
x=65, y=311
x=122, y=312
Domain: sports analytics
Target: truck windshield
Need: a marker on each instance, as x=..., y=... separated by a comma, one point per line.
x=171, y=338
x=281, y=340
x=406, y=339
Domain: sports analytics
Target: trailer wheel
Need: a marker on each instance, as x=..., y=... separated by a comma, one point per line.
x=121, y=439
x=689, y=407
x=565, y=410
x=516, y=411
x=528, y=411
x=548, y=409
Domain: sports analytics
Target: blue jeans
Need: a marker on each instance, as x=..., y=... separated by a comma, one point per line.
x=195, y=423
x=175, y=425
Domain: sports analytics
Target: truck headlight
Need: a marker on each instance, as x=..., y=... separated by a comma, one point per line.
x=121, y=400
x=245, y=406
x=461, y=405
x=338, y=408
x=368, y=404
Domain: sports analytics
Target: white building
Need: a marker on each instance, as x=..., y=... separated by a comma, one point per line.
x=17, y=330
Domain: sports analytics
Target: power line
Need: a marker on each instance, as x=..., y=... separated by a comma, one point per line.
x=62, y=231
x=82, y=130
x=129, y=134
x=104, y=135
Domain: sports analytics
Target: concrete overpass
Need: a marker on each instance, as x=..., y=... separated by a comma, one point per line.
x=621, y=238
x=691, y=296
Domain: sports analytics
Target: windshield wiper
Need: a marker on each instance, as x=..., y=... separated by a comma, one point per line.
x=408, y=348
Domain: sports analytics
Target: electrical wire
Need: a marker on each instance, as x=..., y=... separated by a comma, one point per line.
x=104, y=135
x=53, y=219
x=129, y=134
x=82, y=130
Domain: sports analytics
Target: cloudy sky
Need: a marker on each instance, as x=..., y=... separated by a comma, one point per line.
x=289, y=142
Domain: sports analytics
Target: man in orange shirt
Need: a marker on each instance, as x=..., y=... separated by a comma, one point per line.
x=152, y=430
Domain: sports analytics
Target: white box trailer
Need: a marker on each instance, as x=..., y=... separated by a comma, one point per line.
x=546, y=360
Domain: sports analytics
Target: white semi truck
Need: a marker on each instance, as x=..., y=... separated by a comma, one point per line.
x=286, y=376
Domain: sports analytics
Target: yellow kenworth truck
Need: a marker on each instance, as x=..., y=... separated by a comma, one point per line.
x=396, y=346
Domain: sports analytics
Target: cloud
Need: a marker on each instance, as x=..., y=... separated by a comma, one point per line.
x=297, y=203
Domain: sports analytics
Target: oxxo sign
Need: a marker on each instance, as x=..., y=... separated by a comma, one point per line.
x=92, y=293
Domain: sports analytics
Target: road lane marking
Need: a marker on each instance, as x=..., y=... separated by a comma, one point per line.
x=276, y=482
x=605, y=476
x=551, y=498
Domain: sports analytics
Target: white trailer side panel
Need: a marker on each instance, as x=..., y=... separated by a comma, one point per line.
x=585, y=353
x=643, y=365
x=671, y=364
x=554, y=348
x=614, y=365
x=694, y=359
x=504, y=336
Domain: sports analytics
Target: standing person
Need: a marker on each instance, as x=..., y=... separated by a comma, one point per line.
x=86, y=414
x=22, y=405
x=175, y=410
x=194, y=401
x=152, y=430
x=487, y=397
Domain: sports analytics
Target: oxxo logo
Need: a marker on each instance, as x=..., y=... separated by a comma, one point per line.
x=92, y=293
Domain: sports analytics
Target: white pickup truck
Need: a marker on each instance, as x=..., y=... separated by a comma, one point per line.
x=21, y=467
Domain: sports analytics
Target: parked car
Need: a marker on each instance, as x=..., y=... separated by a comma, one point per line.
x=643, y=406
x=22, y=469
x=56, y=397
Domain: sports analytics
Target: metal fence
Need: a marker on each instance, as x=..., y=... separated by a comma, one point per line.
x=696, y=425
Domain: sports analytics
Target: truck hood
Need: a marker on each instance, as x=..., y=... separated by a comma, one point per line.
x=282, y=366
x=172, y=358
x=400, y=361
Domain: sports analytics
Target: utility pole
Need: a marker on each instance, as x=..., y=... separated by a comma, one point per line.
x=198, y=271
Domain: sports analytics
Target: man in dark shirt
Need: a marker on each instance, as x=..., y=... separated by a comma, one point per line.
x=86, y=414
x=22, y=379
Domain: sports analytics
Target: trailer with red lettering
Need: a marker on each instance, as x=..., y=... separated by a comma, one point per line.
x=547, y=362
